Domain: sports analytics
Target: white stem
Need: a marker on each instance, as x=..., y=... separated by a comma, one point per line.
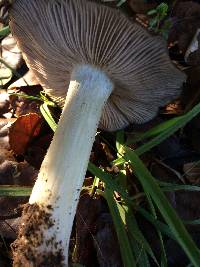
x=63, y=170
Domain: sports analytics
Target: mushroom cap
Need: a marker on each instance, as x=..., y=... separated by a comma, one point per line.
x=57, y=35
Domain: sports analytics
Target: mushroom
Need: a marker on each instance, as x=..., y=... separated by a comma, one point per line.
x=112, y=72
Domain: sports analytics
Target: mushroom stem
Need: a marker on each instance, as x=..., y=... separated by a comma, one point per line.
x=62, y=173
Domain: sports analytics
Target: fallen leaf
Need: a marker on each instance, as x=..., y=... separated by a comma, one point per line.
x=22, y=132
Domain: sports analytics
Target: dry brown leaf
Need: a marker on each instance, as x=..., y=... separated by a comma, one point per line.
x=22, y=132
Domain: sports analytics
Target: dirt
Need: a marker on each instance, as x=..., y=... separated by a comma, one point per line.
x=30, y=237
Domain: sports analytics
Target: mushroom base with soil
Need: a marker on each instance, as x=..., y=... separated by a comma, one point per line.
x=56, y=192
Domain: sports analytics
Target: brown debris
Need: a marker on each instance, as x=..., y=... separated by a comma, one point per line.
x=96, y=241
x=87, y=212
x=22, y=132
x=30, y=237
x=22, y=105
x=106, y=243
x=185, y=23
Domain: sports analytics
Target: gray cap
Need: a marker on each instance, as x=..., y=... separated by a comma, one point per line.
x=57, y=35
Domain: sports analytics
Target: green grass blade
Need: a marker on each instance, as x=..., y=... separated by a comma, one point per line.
x=177, y=187
x=164, y=130
x=135, y=233
x=119, y=140
x=152, y=188
x=163, y=253
x=118, y=216
x=158, y=224
x=193, y=222
x=26, y=96
x=48, y=117
x=109, y=181
x=141, y=256
x=14, y=191
x=119, y=143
